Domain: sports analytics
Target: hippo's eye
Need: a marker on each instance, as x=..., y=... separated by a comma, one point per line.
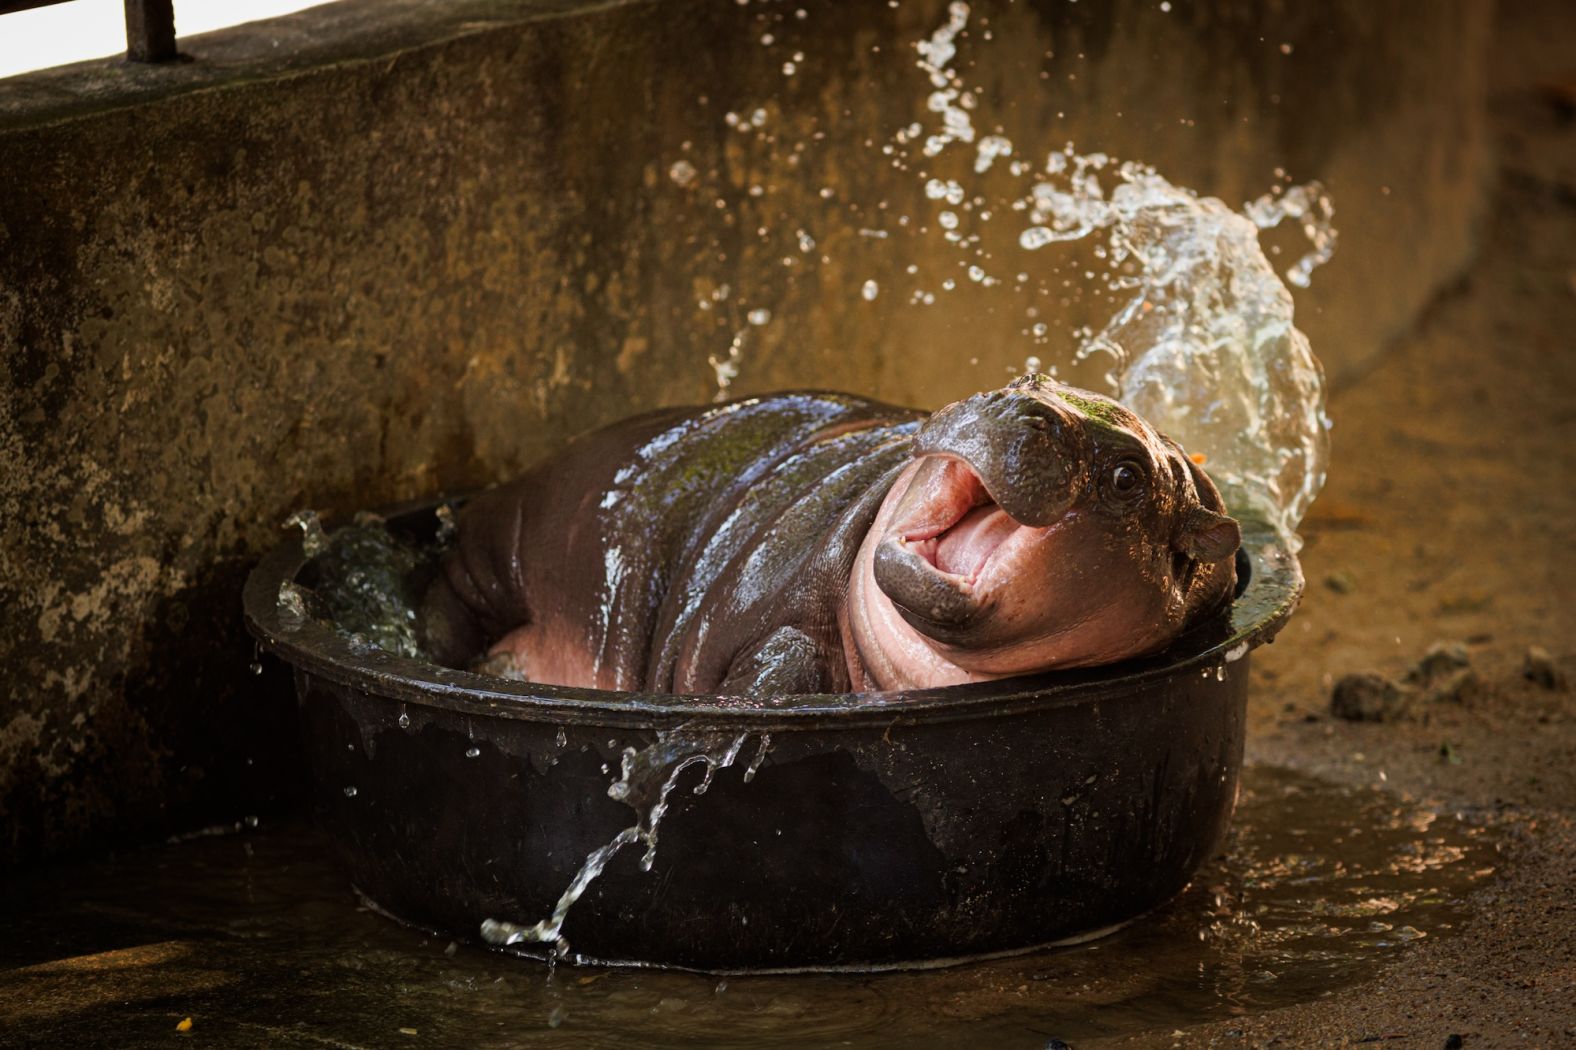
x=1126, y=478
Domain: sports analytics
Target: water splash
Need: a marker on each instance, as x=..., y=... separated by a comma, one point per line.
x=1313, y=210
x=647, y=777
x=313, y=539
x=1200, y=339
x=1202, y=342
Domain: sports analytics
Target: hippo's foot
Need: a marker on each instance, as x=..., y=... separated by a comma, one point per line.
x=788, y=662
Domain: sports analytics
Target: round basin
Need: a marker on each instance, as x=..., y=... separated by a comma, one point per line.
x=859, y=831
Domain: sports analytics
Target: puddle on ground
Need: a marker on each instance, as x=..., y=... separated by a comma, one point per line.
x=258, y=938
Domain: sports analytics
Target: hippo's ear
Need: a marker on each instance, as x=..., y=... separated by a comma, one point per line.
x=1207, y=536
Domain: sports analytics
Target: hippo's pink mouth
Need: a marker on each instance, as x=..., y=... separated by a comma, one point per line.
x=963, y=549
x=965, y=526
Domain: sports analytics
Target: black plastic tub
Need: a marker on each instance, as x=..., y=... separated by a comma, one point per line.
x=849, y=831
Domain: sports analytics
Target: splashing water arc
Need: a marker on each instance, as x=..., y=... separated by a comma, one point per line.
x=1201, y=340
x=1203, y=344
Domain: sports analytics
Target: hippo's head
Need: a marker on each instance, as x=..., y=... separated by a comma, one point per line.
x=1041, y=526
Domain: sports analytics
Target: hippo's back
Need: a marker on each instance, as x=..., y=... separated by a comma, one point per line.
x=607, y=550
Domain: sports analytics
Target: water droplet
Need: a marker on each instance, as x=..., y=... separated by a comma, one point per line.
x=404, y=720
x=870, y=291
x=313, y=540
x=473, y=752
x=256, y=667
x=447, y=529
x=291, y=604
x=562, y=739
x=1035, y=238
x=682, y=172
x=350, y=792
x=759, y=316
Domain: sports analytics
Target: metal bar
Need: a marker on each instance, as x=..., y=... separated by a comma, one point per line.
x=9, y=6
x=150, y=30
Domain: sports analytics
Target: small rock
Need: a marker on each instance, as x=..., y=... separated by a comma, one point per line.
x=1368, y=697
x=1454, y=1042
x=1339, y=582
x=1463, y=687
x=1540, y=669
x=1441, y=659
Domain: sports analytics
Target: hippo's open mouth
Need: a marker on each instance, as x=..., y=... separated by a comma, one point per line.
x=966, y=544
x=936, y=559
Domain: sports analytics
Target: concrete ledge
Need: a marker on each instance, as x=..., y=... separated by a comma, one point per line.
x=416, y=244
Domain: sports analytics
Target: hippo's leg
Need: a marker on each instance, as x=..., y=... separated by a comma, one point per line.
x=787, y=661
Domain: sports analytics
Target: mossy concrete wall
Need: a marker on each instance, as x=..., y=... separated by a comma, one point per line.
x=381, y=250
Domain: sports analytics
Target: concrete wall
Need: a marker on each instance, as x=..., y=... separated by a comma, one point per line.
x=379, y=250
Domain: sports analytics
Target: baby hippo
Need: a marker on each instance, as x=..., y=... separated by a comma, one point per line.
x=819, y=542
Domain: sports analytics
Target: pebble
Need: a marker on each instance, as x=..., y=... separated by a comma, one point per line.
x=1368, y=697
x=1540, y=669
x=1339, y=582
x=1442, y=658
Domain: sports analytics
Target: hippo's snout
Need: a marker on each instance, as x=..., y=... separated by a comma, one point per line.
x=1028, y=448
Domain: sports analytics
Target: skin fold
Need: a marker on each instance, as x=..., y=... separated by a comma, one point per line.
x=819, y=542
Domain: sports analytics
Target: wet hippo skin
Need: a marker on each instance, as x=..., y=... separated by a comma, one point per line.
x=821, y=542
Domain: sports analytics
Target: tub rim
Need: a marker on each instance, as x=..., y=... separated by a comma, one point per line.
x=1256, y=615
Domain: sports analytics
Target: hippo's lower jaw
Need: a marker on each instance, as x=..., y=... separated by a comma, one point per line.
x=937, y=604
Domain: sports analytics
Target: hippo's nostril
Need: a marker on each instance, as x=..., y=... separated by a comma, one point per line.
x=1036, y=416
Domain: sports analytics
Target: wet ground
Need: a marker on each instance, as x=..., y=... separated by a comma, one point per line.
x=1397, y=882
x=254, y=935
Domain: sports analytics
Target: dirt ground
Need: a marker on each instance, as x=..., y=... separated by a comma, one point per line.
x=1450, y=516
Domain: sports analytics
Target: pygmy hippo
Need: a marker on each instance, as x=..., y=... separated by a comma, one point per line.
x=819, y=542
